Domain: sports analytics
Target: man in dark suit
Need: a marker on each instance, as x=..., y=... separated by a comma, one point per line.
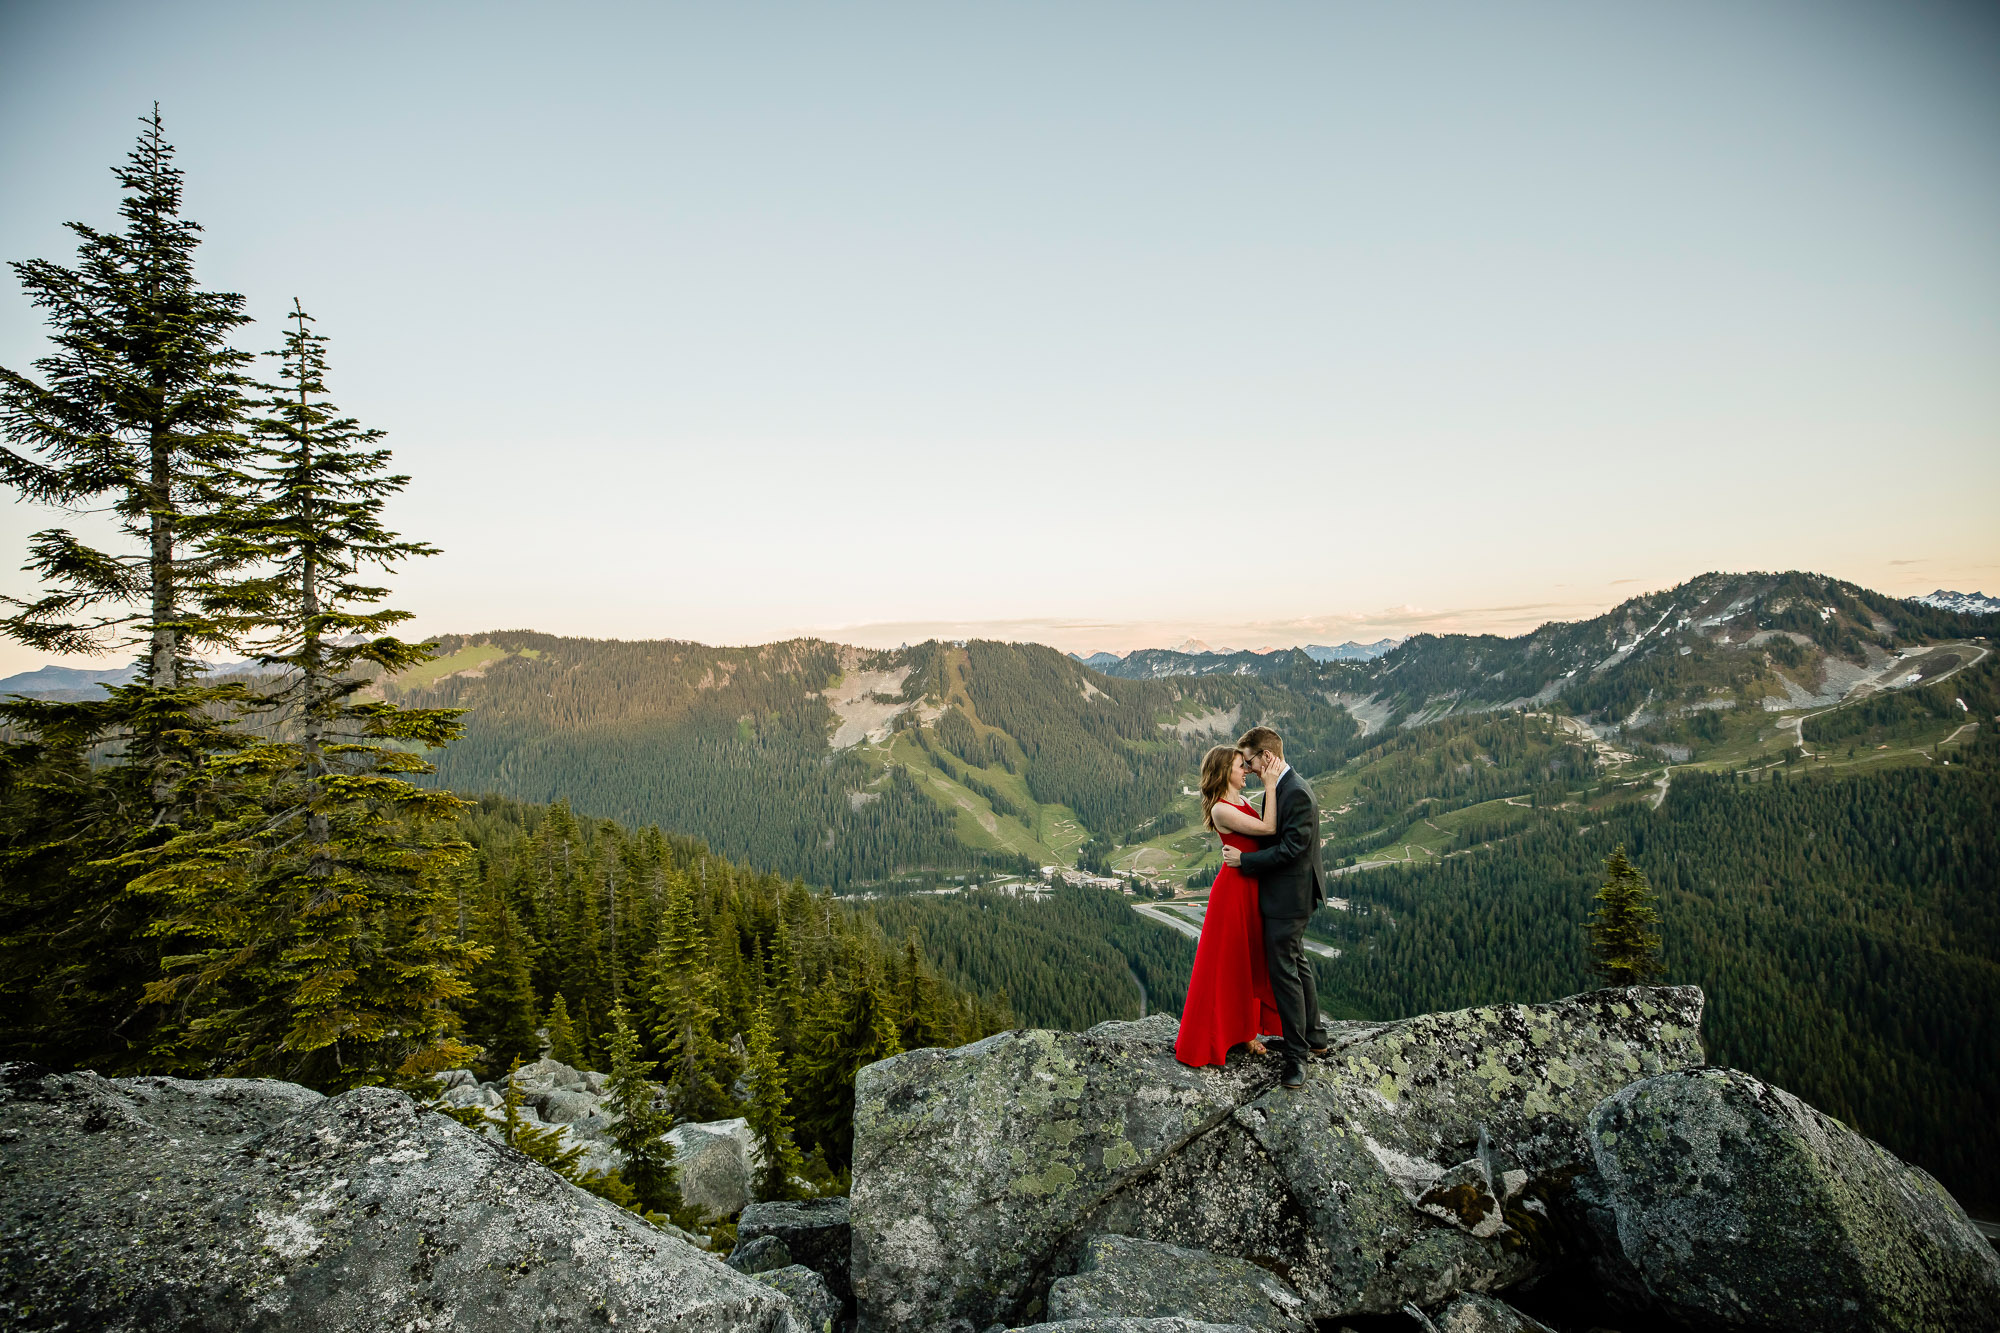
x=1291, y=885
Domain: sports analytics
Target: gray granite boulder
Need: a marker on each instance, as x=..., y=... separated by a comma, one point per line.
x=565, y=1106
x=760, y=1254
x=1127, y=1278
x=1722, y=1199
x=149, y=1203
x=551, y=1074
x=1474, y=1313
x=817, y=1308
x=1418, y=1161
x=816, y=1233
x=714, y=1162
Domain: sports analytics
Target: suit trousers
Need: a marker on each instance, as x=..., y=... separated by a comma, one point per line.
x=1293, y=985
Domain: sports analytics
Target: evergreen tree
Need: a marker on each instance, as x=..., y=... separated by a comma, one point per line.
x=1625, y=951
x=641, y=1122
x=311, y=931
x=135, y=412
x=851, y=1023
x=919, y=1005
x=769, y=1112
x=698, y=1064
x=500, y=1013
x=562, y=1034
x=138, y=409
x=307, y=510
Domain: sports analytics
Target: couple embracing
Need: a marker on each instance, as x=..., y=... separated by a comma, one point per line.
x=1251, y=975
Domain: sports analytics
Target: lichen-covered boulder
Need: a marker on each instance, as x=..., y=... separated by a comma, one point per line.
x=1476, y=1313
x=816, y=1233
x=227, y=1204
x=1127, y=1278
x=814, y=1303
x=1418, y=1161
x=714, y=1162
x=1725, y=1200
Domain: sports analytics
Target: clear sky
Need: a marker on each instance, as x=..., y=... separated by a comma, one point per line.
x=1101, y=324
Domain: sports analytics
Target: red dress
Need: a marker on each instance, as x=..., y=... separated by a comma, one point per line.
x=1229, y=998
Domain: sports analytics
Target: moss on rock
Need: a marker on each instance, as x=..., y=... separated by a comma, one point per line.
x=1724, y=1199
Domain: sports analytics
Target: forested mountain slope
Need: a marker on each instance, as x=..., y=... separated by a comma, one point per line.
x=851, y=766
x=1846, y=928
x=1070, y=960
x=695, y=948
x=836, y=763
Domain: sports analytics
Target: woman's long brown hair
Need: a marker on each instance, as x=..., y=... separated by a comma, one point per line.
x=1215, y=767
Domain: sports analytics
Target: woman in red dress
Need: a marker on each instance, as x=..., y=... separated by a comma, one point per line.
x=1229, y=1001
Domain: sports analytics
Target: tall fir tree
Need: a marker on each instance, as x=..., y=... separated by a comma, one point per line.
x=312, y=934
x=919, y=1002
x=640, y=1122
x=769, y=1112
x=699, y=1067
x=851, y=1023
x=1624, y=947
x=562, y=1034
x=138, y=410
x=306, y=510
x=499, y=1015
x=135, y=413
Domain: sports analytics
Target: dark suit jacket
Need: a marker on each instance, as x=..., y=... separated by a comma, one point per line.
x=1290, y=880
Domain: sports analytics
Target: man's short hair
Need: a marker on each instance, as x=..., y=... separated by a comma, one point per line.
x=1261, y=740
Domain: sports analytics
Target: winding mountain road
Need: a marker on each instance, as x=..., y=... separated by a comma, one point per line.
x=1168, y=917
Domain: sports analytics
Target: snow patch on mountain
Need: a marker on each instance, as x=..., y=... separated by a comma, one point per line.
x=1970, y=603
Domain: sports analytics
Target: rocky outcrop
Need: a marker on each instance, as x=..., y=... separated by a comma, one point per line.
x=1572, y=1156
x=150, y=1203
x=1722, y=1199
x=1474, y=1313
x=1418, y=1161
x=1126, y=1278
x=814, y=1232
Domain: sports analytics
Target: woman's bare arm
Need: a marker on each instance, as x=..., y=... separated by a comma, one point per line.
x=1229, y=817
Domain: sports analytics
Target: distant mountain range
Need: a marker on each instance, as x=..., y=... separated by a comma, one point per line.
x=67, y=683
x=1318, y=652
x=1969, y=603
x=75, y=684
x=845, y=765
x=1350, y=651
